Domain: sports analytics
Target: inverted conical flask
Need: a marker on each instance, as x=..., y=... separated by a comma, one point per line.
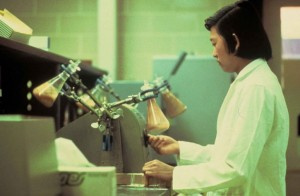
x=87, y=100
x=47, y=92
x=172, y=105
x=98, y=94
x=156, y=120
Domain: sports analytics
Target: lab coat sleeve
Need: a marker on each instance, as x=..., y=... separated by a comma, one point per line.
x=198, y=154
x=239, y=156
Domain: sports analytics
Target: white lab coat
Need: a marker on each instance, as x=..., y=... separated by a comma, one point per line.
x=248, y=156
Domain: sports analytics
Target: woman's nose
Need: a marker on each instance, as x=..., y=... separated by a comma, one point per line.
x=214, y=53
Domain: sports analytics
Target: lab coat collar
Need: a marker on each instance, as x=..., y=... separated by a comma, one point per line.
x=250, y=68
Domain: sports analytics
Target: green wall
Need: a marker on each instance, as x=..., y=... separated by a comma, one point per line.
x=146, y=28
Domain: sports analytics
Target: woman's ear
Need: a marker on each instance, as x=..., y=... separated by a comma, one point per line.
x=237, y=41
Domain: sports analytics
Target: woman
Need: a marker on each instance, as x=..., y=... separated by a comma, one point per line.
x=248, y=155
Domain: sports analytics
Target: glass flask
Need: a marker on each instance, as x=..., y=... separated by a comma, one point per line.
x=172, y=105
x=98, y=94
x=47, y=92
x=156, y=120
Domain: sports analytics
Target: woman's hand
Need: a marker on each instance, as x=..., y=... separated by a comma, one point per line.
x=159, y=170
x=163, y=144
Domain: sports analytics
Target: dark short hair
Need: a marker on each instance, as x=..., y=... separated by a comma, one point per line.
x=242, y=19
